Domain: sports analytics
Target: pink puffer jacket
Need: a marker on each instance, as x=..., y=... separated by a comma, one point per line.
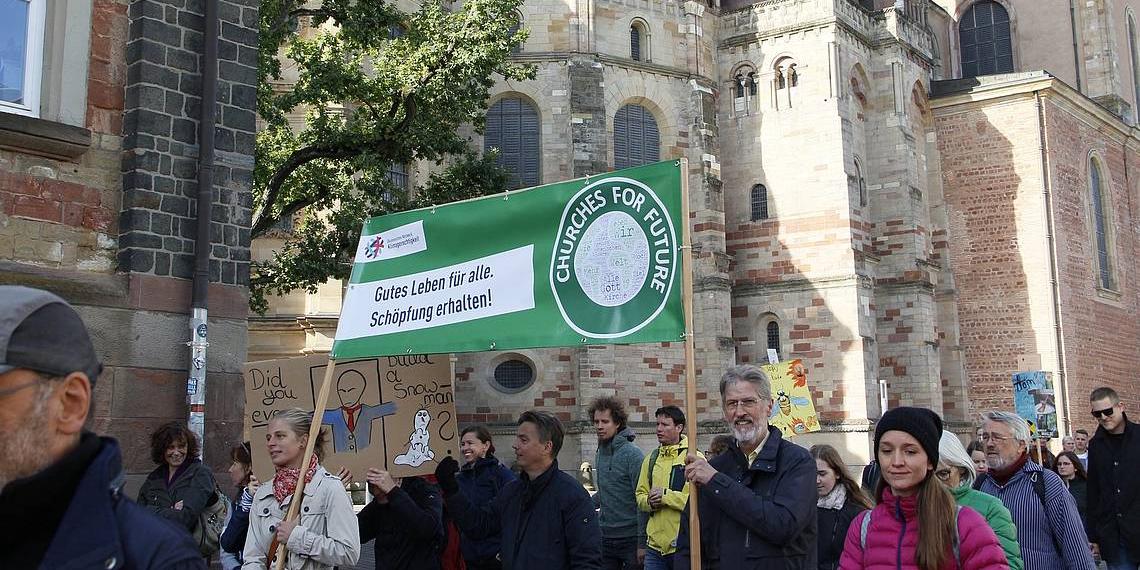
x=893, y=537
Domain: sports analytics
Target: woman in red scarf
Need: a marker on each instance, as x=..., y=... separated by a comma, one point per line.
x=326, y=533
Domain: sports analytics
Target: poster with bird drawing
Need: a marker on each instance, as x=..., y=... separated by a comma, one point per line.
x=793, y=411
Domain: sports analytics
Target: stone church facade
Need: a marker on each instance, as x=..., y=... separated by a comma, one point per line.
x=894, y=191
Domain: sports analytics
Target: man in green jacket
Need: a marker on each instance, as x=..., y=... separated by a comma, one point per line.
x=662, y=490
x=617, y=467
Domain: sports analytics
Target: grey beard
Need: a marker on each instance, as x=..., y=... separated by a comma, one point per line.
x=997, y=464
x=744, y=435
x=27, y=450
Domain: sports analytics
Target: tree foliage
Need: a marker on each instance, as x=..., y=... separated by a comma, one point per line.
x=377, y=87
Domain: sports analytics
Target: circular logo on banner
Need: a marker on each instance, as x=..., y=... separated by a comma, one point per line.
x=614, y=258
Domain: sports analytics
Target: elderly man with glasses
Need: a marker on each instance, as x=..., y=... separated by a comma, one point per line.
x=759, y=496
x=1114, y=464
x=1048, y=524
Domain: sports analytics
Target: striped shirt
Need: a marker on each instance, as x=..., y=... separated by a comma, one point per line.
x=1051, y=535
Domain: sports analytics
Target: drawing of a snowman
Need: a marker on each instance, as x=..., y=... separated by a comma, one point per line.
x=419, y=448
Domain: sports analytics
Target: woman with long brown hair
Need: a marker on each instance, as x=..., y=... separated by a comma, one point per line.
x=915, y=523
x=841, y=499
x=1073, y=474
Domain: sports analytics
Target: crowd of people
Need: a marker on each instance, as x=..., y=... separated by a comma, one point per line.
x=926, y=501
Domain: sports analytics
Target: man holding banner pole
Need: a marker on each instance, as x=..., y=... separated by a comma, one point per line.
x=761, y=493
x=546, y=519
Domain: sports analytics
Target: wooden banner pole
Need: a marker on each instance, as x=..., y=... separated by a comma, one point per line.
x=690, y=363
x=314, y=432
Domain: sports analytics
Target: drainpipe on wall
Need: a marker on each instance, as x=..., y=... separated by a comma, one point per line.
x=196, y=382
x=1076, y=49
x=1054, y=275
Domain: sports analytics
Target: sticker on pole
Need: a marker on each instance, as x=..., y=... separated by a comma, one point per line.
x=614, y=258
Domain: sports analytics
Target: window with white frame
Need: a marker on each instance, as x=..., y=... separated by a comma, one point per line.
x=21, y=55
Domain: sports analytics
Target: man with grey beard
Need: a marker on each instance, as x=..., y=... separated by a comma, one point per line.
x=758, y=497
x=61, y=501
x=1049, y=527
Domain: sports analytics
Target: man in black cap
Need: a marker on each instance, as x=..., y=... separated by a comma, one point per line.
x=61, y=501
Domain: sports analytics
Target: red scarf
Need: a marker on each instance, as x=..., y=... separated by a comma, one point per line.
x=285, y=481
x=1003, y=476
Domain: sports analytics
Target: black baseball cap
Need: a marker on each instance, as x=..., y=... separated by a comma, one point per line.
x=40, y=331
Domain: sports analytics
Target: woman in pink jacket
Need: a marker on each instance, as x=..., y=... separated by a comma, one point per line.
x=916, y=524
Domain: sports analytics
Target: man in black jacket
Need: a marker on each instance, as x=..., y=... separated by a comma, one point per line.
x=1113, y=488
x=546, y=518
x=61, y=500
x=760, y=494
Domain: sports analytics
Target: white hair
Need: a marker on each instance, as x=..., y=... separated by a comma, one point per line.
x=951, y=452
x=1015, y=422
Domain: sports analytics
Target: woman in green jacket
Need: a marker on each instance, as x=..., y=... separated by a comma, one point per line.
x=956, y=471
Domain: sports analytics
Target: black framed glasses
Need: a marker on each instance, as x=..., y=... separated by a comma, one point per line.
x=1107, y=412
x=943, y=474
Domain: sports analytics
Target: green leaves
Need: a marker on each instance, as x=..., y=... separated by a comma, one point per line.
x=347, y=89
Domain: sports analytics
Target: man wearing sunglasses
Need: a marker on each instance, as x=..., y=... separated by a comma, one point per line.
x=1113, y=487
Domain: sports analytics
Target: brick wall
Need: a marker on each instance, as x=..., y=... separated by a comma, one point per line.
x=111, y=229
x=1101, y=328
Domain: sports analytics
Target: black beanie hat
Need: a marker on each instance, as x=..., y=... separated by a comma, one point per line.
x=924, y=425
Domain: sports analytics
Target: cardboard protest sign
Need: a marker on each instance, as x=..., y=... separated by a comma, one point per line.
x=1034, y=401
x=593, y=260
x=395, y=413
x=794, y=412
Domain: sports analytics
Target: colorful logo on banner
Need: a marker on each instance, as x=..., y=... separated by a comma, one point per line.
x=794, y=413
x=1035, y=401
x=587, y=261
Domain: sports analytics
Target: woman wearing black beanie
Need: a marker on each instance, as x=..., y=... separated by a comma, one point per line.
x=915, y=523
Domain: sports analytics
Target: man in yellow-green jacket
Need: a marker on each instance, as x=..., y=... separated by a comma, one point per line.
x=662, y=490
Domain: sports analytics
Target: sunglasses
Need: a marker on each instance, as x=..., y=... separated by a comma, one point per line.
x=1107, y=412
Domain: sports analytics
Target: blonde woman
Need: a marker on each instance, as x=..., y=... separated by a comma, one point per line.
x=326, y=533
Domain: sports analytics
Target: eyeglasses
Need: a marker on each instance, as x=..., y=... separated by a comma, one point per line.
x=997, y=439
x=942, y=474
x=1107, y=412
x=745, y=404
x=9, y=391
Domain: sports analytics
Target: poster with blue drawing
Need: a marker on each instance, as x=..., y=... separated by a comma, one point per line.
x=395, y=413
x=1035, y=401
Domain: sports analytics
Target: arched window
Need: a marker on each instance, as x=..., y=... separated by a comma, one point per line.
x=862, y=184
x=512, y=128
x=773, y=334
x=636, y=138
x=759, y=202
x=1100, y=224
x=639, y=41
x=985, y=41
x=744, y=82
x=1134, y=55
x=514, y=30
x=786, y=73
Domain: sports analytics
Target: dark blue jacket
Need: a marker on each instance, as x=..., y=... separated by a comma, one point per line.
x=408, y=528
x=481, y=482
x=765, y=512
x=102, y=529
x=546, y=524
x=233, y=538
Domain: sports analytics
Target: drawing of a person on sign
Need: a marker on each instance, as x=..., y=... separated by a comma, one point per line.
x=352, y=422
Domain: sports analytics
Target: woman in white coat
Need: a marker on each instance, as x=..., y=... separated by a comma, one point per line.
x=326, y=533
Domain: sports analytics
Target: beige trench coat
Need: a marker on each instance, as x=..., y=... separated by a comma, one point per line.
x=327, y=536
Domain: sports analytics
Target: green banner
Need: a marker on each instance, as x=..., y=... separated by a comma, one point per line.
x=589, y=261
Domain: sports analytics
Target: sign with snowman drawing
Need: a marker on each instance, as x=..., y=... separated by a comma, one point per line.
x=395, y=413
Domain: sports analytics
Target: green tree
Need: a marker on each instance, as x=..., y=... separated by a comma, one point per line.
x=378, y=87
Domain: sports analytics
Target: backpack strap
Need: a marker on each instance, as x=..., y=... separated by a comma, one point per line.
x=864, y=526
x=957, y=544
x=652, y=464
